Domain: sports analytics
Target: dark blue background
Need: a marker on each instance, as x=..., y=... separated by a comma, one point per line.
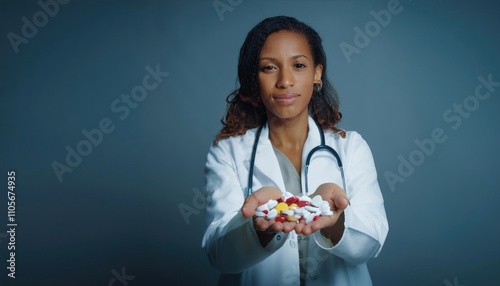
x=120, y=206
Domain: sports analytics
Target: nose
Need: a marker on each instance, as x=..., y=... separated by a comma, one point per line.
x=285, y=79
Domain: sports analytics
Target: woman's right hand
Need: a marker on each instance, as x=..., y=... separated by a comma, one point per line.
x=260, y=197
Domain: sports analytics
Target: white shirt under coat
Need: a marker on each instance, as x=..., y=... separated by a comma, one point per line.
x=230, y=240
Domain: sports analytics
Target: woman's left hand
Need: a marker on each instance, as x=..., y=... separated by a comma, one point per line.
x=332, y=226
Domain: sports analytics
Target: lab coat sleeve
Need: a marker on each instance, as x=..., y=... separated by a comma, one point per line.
x=230, y=240
x=365, y=224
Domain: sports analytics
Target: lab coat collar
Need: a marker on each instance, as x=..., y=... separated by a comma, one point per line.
x=266, y=164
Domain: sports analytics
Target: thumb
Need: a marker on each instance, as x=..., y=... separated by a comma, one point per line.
x=340, y=201
x=249, y=206
x=258, y=198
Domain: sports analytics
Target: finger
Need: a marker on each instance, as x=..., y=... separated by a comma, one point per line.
x=320, y=223
x=288, y=226
x=300, y=226
x=261, y=224
x=306, y=230
x=277, y=226
x=311, y=228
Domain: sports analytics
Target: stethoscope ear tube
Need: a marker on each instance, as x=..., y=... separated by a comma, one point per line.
x=252, y=160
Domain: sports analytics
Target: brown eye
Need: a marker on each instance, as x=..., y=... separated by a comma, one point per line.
x=267, y=68
x=300, y=66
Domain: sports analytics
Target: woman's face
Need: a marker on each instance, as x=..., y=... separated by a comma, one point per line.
x=287, y=75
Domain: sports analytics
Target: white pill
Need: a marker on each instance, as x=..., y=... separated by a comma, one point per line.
x=259, y=213
x=263, y=207
x=272, y=203
x=324, y=208
x=297, y=216
x=305, y=199
x=306, y=213
x=287, y=212
x=312, y=209
x=316, y=201
x=272, y=214
x=327, y=213
x=299, y=211
x=310, y=218
x=288, y=195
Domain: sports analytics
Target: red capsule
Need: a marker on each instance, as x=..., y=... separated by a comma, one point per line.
x=280, y=219
x=265, y=211
x=280, y=200
x=315, y=218
x=302, y=204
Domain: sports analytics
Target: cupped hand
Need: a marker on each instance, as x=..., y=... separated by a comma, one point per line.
x=260, y=197
x=338, y=201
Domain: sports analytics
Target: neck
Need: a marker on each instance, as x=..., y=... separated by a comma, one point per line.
x=288, y=134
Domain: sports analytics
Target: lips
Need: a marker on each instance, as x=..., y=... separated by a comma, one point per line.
x=286, y=99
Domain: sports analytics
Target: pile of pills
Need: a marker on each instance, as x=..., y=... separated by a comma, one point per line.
x=292, y=208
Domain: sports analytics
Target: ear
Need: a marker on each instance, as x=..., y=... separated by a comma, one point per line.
x=318, y=72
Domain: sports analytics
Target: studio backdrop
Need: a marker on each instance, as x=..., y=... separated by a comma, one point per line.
x=108, y=109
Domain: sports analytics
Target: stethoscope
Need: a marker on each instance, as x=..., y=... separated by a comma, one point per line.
x=322, y=146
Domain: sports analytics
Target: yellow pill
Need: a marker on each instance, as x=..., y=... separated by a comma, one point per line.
x=281, y=206
x=291, y=218
x=293, y=206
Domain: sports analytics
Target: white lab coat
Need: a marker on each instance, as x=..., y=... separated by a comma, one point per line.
x=230, y=240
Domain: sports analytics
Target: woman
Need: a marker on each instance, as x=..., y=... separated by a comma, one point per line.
x=282, y=107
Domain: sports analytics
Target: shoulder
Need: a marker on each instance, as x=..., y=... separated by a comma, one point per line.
x=351, y=138
x=247, y=138
x=352, y=146
x=235, y=144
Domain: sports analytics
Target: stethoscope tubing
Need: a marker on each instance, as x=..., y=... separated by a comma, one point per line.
x=322, y=146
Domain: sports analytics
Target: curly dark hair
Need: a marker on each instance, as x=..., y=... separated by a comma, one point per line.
x=245, y=110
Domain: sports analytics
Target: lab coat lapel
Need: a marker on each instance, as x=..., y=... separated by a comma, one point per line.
x=267, y=169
